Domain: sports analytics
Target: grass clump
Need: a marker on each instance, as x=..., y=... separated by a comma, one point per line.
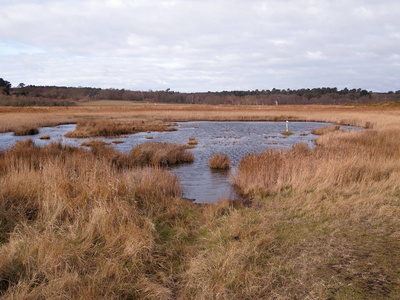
x=325, y=129
x=192, y=141
x=26, y=131
x=94, y=143
x=287, y=133
x=159, y=154
x=45, y=137
x=101, y=128
x=219, y=161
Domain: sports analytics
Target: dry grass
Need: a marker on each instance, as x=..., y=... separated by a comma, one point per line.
x=75, y=226
x=287, y=133
x=323, y=223
x=45, y=137
x=111, y=128
x=219, y=161
x=26, y=131
x=325, y=129
x=94, y=143
x=12, y=118
x=334, y=210
x=160, y=154
x=192, y=142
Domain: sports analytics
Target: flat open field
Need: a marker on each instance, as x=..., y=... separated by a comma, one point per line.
x=112, y=103
x=317, y=223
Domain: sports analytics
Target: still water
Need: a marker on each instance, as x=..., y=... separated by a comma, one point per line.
x=198, y=181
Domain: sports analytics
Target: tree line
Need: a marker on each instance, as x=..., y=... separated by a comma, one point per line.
x=71, y=95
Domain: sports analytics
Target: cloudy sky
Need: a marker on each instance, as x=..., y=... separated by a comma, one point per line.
x=201, y=45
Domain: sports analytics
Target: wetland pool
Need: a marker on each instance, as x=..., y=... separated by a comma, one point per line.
x=198, y=181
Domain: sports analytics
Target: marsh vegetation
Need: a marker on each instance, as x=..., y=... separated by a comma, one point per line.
x=219, y=161
x=317, y=223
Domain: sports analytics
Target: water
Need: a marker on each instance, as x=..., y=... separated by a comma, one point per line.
x=199, y=182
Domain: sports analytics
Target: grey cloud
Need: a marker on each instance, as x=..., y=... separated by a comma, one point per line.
x=203, y=45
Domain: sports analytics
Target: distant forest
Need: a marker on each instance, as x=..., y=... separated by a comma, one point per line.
x=52, y=95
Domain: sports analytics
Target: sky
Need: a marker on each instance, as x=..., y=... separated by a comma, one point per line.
x=201, y=45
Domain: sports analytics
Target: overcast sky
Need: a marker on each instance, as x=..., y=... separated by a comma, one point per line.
x=201, y=45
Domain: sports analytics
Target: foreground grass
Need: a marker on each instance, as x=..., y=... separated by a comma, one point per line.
x=318, y=224
x=75, y=225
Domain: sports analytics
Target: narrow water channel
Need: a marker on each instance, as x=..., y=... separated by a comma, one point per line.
x=198, y=181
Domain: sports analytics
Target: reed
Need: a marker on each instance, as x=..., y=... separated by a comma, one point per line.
x=74, y=226
x=315, y=214
x=326, y=129
x=219, y=161
x=317, y=223
x=26, y=131
x=159, y=154
x=101, y=128
x=192, y=141
x=45, y=137
x=162, y=116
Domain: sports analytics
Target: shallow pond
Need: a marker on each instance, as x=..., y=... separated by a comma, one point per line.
x=199, y=182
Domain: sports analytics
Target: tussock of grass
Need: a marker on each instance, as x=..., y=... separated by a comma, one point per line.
x=287, y=133
x=192, y=141
x=109, y=128
x=93, y=143
x=325, y=129
x=219, y=161
x=188, y=146
x=26, y=131
x=45, y=137
x=159, y=154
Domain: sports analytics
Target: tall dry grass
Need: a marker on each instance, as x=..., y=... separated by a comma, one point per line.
x=347, y=158
x=156, y=153
x=96, y=128
x=317, y=223
x=75, y=226
x=325, y=129
x=219, y=161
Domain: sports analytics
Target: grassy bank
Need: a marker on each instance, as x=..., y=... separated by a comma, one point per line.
x=148, y=116
x=317, y=223
x=75, y=225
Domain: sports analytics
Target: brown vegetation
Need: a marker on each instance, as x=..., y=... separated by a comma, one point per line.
x=335, y=210
x=325, y=129
x=323, y=223
x=192, y=141
x=74, y=226
x=219, y=161
x=287, y=133
x=116, y=128
x=26, y=131
x=156, y=117
x=159, y=154
x=45, y=137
